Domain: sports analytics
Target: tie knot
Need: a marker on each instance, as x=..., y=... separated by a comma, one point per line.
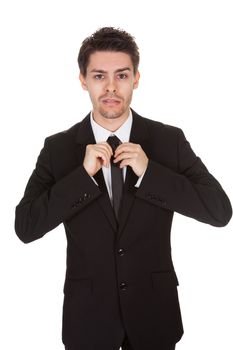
x=114, y=142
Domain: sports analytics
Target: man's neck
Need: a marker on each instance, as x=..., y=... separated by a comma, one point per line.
x=111, y=124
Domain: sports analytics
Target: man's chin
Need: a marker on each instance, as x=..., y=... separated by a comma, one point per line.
x=111, y=114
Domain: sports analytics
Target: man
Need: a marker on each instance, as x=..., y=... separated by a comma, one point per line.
x=115, y=180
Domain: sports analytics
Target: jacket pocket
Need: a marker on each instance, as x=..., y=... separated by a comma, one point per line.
x=166, y=304
x=164, y=279
x=77, y=286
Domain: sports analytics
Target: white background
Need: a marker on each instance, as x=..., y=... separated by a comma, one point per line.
x=186, y=80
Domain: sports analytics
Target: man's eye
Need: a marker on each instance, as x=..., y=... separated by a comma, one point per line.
x=123, y=76
x=98, y=76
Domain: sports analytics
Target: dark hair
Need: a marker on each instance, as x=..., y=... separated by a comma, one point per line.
x=108, y=39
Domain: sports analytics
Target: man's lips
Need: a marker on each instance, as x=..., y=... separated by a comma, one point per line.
x=110, y=101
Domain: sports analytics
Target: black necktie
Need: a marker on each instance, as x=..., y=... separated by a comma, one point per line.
x=117, y=175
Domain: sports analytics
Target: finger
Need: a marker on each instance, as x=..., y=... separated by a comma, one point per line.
x=125, y=148
x=106, y=145
x=125, y=162
x=125, y=155
x=106, y=150
x=103, y=154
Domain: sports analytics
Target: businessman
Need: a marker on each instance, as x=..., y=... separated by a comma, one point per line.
x=114, y=180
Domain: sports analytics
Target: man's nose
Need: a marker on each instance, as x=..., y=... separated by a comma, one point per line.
x=111, y=86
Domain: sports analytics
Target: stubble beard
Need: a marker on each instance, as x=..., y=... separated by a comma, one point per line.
x=114, y=114
x=111, y=114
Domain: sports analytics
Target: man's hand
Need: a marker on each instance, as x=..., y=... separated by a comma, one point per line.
x=133, y=155
x=96, y=155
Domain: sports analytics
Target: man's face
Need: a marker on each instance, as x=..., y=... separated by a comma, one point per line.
x=110, y=81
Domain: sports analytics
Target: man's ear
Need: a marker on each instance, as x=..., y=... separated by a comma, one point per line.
x=83, y=81
x=136, y=80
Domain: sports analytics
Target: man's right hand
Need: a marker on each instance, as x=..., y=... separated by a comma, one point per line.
x=96, y=156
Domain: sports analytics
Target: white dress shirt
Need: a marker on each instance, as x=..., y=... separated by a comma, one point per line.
x=101, y=134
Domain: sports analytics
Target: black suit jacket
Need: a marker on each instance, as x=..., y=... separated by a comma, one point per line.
x=119, y=277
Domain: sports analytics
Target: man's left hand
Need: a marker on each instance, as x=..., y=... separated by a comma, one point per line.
x=133, y=155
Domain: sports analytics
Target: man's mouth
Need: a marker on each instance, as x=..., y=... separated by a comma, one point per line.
x=111, y=101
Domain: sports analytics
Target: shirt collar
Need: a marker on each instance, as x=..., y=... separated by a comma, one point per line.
x=102, y=134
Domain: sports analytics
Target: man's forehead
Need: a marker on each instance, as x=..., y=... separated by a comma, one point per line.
x=109, y=61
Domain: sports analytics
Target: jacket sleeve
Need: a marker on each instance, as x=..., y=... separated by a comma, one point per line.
x=47, y=203
x=191, y=191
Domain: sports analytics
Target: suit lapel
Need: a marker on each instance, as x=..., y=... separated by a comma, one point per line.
x=139, y=135
x=84, y=137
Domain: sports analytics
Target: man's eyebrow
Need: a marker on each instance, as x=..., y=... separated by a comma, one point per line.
x=116, y=71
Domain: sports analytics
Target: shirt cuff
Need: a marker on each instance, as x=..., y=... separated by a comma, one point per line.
x=139, y=180
x=94, y=180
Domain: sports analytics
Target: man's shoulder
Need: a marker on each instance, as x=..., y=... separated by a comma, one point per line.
x=67, y=135
x=64, y=133
x=156, y=126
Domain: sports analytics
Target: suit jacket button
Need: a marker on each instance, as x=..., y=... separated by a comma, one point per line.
x=123, y=285
x=121, y=251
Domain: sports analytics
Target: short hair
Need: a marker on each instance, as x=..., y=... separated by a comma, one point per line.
x=108, y=39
